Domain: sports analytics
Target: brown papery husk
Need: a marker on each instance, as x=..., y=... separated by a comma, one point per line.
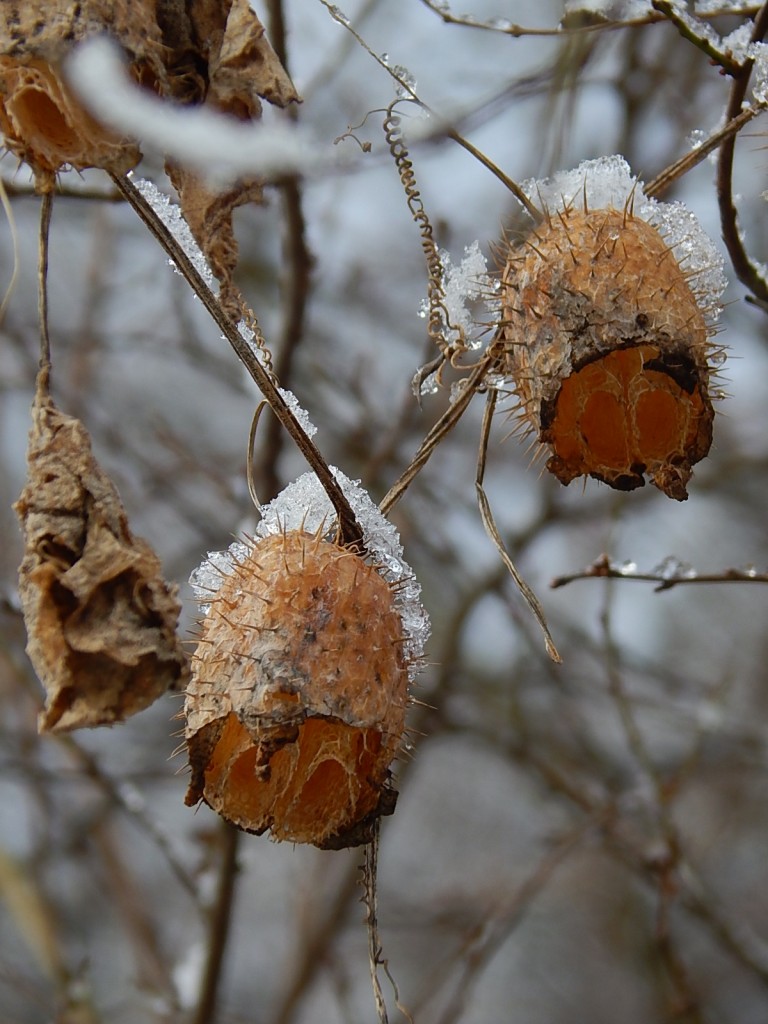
x=100, y=618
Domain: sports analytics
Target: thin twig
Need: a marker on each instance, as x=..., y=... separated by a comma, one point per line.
x=315, y=944
x=298, y=268
x=688, y=31
x=686, y=163
x=132, y=803
x=746, y=271
x=28, y=191
x=599, y=24
x=487, y=937
x=350, y=531
x=205, y=1012
x=492, y=530
x=444, y=425
x=604, y=568
x=46, y=209
x=8, y=211
x=406, y=89
x=513, y=187
x=370, y=868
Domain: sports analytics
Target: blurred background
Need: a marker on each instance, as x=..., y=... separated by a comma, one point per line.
x=575, y=842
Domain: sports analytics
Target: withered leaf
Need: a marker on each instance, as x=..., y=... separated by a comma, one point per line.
x=242, y=69
x=101, y=621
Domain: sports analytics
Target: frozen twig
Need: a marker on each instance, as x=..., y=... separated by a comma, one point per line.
x=220, y=926
x=670, y=573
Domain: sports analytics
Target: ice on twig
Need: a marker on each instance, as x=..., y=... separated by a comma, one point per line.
x=299, y=412
x=170, y=214
x=464, y=285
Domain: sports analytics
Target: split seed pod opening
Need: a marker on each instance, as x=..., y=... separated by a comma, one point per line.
x=608, y=309
x=297, y=703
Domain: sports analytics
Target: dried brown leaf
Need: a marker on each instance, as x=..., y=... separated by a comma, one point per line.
x=242, y=69
x=101, y=621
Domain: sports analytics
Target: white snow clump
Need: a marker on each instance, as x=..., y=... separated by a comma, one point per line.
x=304, y=505
x=608, y=183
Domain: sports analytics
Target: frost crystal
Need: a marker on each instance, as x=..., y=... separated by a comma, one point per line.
x=462, y=285
x=304, y=505
x=738, y=43
x=408, y=81
x=299, y=412
x=759, y=53
x=672, y=568
x=611, y=10
x=608, y=183
x=206, y=578
x=172, y=217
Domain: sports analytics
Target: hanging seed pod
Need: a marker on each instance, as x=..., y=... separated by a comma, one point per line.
x=608, y=313
x=298, y=696
x=101, y=621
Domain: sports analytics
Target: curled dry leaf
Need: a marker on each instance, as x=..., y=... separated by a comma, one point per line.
x=47, y=127
x=297, y=702
x=101, y=621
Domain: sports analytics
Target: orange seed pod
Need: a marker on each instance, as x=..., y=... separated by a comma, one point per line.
x=608, y=310
x=300, y=684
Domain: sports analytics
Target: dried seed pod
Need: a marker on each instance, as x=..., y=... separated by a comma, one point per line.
x=298, y=697
x=608, y=309
x=44, y=125
x=101, y=621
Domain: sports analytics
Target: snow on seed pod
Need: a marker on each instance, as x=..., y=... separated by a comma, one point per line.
x=299, y=687
x=608, y=313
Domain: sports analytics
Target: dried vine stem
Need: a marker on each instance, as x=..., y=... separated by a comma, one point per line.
x=444, y=425
x=670, y=174
x=438, y=312
x=599, y=24
x=350, y=531
x=299, y=262
x=220, y=926
x=746, y=271
x=687, y=31
x=370, y=873
x=493, y=532
x=375, y=959
x=46, y=209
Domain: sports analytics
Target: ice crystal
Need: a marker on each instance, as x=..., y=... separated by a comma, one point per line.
x=304, y=505
x=609, y=183
x=610, y=10
x=462, y=285
x=299, y=412
x=171, y=216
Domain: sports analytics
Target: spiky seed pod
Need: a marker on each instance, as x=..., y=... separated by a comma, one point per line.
x=297, y=702
x=608, y=340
